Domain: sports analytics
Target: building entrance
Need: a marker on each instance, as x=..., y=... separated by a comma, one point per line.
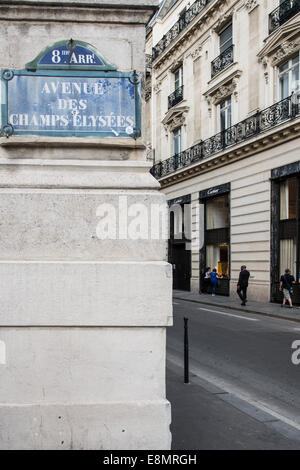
x=179, y=254
x=216, y=250
x=285, y=228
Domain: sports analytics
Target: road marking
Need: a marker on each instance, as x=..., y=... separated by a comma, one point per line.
x=228, y=314
x=175, y=303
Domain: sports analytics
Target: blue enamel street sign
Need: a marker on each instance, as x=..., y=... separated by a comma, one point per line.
x=61, y=55
x=70, y=54
x=70, y=102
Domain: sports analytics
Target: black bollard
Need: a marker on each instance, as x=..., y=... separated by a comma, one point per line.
x=186, y=351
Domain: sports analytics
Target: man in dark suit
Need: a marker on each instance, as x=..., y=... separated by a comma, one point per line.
x=243, y=284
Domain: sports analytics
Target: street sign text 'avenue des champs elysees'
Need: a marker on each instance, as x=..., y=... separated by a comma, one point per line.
x=70, y=90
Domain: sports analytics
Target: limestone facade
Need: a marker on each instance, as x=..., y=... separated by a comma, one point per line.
x=238, y=63
x=83, y=320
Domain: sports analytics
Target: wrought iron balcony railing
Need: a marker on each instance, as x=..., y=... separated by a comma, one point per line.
x=283, y=13
x=185, y=19
x=262, y=121
x=222, y=61
x=175, y=97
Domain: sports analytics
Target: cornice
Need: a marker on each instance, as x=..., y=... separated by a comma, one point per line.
x=286, y=32
x=118, y=4
x=175, y=118
x=221, y=23
x=286, y=49
x=227, y=79
x=176, y=64
x=68, y=13
x=207, y=18
x=246, y=149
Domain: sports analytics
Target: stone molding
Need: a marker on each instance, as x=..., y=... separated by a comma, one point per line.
x=175, y=118
x=157, y=86
x=77, y=13
x=222, y=22
x=284, y=42
x=224, y=91
x=177, y=63
x=227, y=87
x=197, y=52
x=75, y=174
x=246, y=149
x=285, y=50
x=250, y=5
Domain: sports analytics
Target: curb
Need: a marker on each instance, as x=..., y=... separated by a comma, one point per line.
x=272, y=315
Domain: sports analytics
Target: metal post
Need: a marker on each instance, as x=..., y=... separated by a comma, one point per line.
x=186, y=352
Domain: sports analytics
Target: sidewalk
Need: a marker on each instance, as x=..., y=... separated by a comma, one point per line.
x=234, y=303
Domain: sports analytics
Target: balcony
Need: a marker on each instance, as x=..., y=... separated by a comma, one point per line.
x=222, y=61
x=175, y=97
x=283, y=13
x=184, y=21
x=262, y=121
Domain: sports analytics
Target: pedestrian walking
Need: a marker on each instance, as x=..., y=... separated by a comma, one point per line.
x=214, y=280
x=286, y=285
x=242, y=284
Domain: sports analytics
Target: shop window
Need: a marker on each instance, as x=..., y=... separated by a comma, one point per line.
x=288, y=77
x=285, y=224
x=217, y=256
x=217, y=213
x=288, y=254
x=288, y=196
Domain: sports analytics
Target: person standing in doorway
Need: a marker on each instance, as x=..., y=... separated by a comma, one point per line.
x=214, y=279
x=206, y=280
x=286, y=285
x=243, y=284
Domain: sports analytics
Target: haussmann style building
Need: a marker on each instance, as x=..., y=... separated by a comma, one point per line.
x=222, y=93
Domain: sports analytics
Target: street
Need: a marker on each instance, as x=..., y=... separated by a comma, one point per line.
x=244, y=389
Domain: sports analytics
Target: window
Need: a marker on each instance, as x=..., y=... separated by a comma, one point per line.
x=217, y=213
x=288, y=212
x=225, y=38
x=217, y=257
x=285, y=236
x=288, y=77
x=216, y=248
x=178, y=78
x=288, y=253
x=288, y=196
x=177, y=141
x=224, y=114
